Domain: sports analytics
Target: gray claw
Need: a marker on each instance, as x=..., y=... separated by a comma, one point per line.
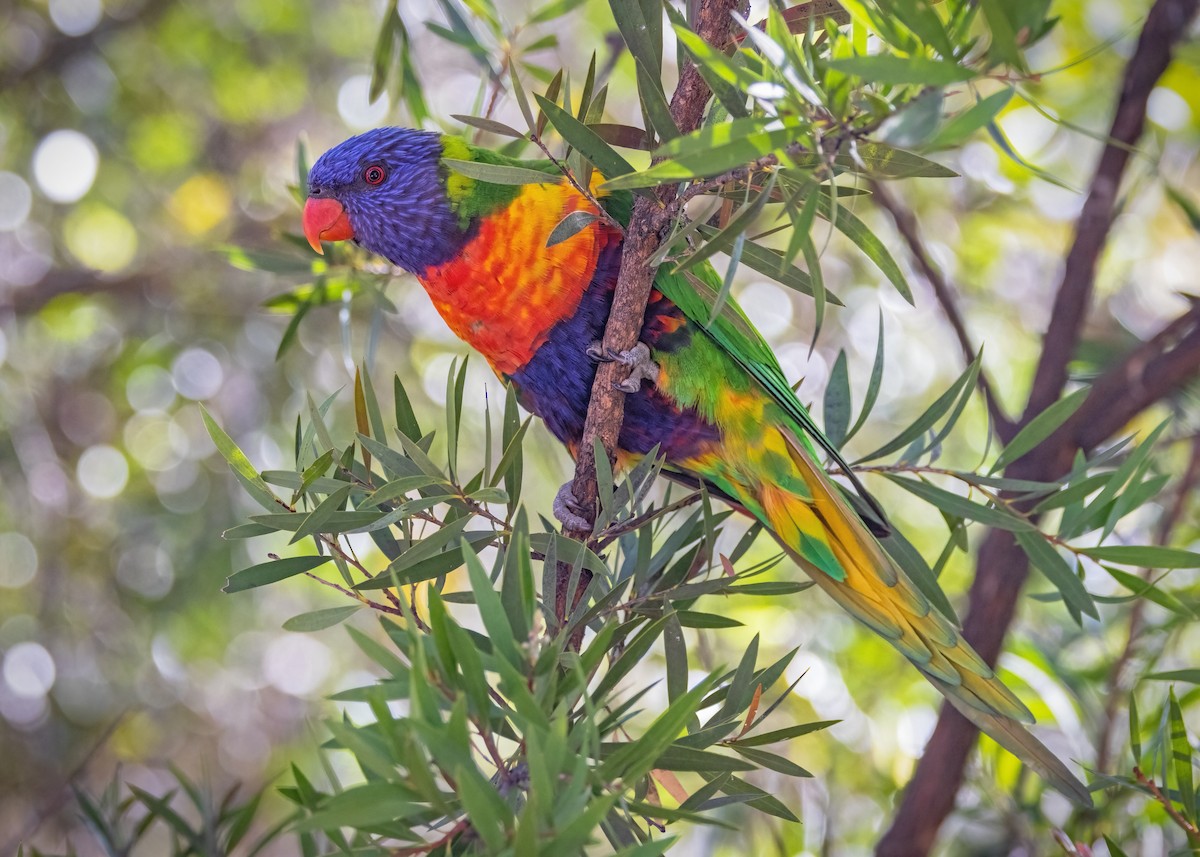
x=566, y=510
x=641, y=367
x=595, y=352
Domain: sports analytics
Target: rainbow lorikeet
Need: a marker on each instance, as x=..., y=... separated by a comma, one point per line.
x=711, y=396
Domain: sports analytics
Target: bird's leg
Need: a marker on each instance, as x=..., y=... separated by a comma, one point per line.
x=566, y=508
x=637, y=360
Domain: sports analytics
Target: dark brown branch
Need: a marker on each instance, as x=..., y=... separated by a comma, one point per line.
x=1165, y=25
x=1157, y=368
x=606, y=410
x=906, y=225
x=1150, y=372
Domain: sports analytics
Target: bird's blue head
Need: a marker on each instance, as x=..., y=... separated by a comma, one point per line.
x=385, y=189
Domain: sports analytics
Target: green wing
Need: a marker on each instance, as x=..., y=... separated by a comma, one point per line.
x=695, y=292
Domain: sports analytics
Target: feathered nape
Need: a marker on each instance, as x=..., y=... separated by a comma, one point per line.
x=407, y=218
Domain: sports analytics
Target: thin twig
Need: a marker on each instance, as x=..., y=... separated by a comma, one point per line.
x=906, y=225
x=1193, y=833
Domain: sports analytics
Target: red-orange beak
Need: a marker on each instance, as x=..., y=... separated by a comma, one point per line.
x=325, y=220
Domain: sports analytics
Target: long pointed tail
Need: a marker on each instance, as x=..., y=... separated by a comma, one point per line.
x=819, y=529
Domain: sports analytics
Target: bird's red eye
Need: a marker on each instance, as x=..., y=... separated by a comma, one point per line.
x=374, y=174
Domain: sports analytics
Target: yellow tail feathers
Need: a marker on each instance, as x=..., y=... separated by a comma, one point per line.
x=831, y=543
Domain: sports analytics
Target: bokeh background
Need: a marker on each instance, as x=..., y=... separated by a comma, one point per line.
x=138, y=140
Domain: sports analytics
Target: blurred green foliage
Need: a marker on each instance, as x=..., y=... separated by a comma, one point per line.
x=139, y=142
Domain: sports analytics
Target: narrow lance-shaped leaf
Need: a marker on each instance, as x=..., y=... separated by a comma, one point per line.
x=239, y=463
x=931, y=415
x=893, y=69
x=1039, y=428
x=485, y=124
x=583, y=138
x=867, y=241
x=570, y=226
x=271, y=572
x=1146, y=556
x=873, y=386
x=1181, y=752
x=504, y=174
x=837, y=401
x=312, y=524
x=1048, y=561
x=958, y=128
x=318, y=620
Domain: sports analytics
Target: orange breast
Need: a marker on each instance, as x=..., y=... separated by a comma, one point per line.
x=507, y=289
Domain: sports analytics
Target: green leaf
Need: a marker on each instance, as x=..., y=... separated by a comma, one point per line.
x=877, y=160
x=947, y=501
x=318, y=620
x=654, y=104
x=1114, y=850
x=521, y=98
x=337, y=522
x=1145, y=589
x=240, y=464
x=734, y=233
x=741, y=687
x=681, y=758
x=638, y=33
x=1050, y=562
x=865, y=240
x=489, y=815
x=772, y=761
x=491, y=610
x=769, y=587
x=1145, y=556
x=958, y=128
x=1040, y=428
x=415, y=569
x=490, y=125
x=726, y=79
x=1191, y=676
x=501, y=173
x=918, y=571
x=635, y=759
x=367, y=805
x=706, y=162
x=892, y=69
x=271, y=572
x=312, y=523
x=692, y=619
x=676, y=656
x=1135, y=727
x=385, y=50
x=837, y=401
x=873, y=386
x=570, y=226
x=785, y=734
x=769, y=262
x=924, y=422
x=1181, y=751
x=256, y=260
x=585, y=140
x=630, y=657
